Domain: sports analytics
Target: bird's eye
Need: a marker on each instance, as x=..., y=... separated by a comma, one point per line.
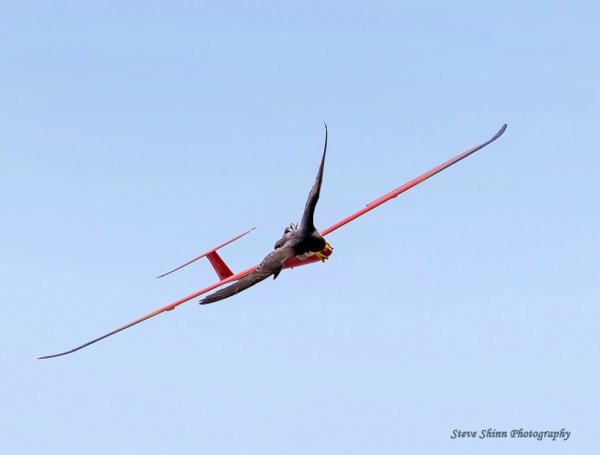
x=286, y=231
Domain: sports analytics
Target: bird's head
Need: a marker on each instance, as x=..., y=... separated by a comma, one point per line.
x=286, y=235
x=290, y=228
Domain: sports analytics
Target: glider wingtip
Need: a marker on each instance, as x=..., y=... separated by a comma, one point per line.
x=497, y=135
x=51, y=356
x=62, y=353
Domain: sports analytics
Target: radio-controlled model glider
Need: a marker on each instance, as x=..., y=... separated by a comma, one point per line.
x=300, y=245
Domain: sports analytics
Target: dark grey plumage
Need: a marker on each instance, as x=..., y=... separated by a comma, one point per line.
x=301, y=241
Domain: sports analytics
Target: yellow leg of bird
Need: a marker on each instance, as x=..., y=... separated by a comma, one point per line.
x=321, y=254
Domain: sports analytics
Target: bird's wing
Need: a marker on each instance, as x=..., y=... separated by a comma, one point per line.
x=313, y=197
x=271, y=265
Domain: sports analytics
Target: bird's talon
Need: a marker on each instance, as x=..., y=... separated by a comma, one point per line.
x=321, y=254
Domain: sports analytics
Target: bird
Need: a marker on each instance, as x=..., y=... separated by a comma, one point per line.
x=299, y=240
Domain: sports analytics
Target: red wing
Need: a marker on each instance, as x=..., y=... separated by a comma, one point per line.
x=409, y=185
x=162, y=310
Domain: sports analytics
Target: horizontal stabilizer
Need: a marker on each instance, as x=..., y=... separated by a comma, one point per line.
x=218, y=264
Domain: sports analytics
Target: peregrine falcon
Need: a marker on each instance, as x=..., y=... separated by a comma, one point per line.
x=300, y=241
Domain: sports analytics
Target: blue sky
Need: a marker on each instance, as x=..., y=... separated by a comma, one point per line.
x=137, y=135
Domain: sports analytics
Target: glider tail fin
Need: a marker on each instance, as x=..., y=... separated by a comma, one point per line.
x=219, y=265
x=222, y=270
